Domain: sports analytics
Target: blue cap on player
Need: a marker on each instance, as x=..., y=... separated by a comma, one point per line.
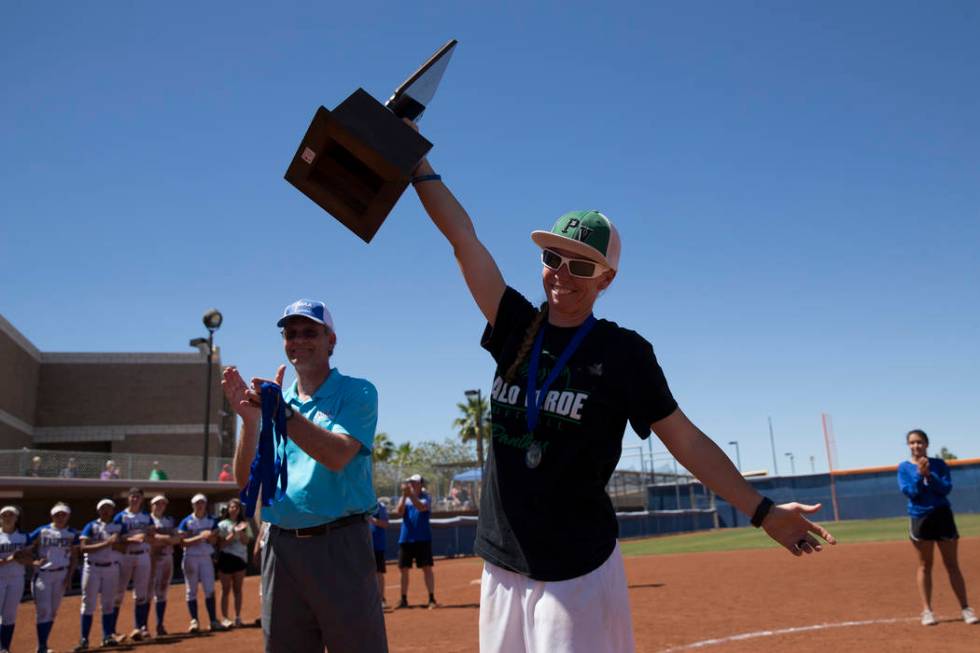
x=310, y=309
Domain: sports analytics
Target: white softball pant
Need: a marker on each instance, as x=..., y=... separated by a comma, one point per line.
x=48, y=588
x=137, y=568
x=99, y=586
x=163, y=574
x=198, y=569
x=11, y=590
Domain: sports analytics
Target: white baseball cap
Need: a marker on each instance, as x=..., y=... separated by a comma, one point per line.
x=415, y=477
x=60, y=507
x=12, y=509
x=199, y=497
x=105, y=502
x=158, y=498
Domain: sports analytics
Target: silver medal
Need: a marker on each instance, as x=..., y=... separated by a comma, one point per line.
x=533, y=456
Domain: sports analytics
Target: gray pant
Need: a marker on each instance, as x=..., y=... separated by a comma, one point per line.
x=321, y=592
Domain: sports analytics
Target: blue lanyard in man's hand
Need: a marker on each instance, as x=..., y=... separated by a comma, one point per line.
x=268, y=466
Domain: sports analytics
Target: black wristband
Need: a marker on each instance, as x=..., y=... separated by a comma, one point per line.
x=416, y=180
x=761, y=511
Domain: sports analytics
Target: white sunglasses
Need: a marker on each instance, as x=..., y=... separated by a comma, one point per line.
x=577, y=267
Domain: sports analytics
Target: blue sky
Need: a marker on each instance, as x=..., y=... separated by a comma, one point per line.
x=796, y=185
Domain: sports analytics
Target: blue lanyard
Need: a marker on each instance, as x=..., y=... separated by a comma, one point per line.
x=534, y=397
x=268, y=467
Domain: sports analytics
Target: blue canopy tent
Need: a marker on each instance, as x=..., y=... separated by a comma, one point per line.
x=469, y=476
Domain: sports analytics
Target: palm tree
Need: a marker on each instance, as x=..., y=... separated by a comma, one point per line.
x=475, y=418
x=384, y=448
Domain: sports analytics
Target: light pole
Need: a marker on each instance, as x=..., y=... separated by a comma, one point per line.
x=792, y=465
x=738, y=456
x=772, y=445
x=477, y=395
x=212, y=321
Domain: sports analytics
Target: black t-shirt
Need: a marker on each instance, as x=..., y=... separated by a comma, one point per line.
x=544, y=511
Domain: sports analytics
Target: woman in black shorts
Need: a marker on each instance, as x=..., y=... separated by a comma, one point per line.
x=234, y=533
x=926, y=482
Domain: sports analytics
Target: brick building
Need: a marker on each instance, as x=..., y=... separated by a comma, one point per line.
x=110, y=404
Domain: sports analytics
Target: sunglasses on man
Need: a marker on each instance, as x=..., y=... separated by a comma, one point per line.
x=577, y=267
x=309, y=333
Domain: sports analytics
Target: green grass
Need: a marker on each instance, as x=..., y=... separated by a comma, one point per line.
x=729, y=539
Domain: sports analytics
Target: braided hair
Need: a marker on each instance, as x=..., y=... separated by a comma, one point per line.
x=529, y=336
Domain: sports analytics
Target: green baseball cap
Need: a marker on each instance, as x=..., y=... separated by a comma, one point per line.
x=587, y=233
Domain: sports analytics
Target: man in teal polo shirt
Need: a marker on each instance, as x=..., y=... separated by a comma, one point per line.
x=318, y=584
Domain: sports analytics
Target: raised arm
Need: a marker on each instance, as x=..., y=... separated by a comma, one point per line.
x=699, y=454
x=480, y=271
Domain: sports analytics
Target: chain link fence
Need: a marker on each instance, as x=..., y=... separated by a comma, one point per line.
x=47, y=463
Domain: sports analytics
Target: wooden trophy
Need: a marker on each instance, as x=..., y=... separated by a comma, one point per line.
x=357, y=160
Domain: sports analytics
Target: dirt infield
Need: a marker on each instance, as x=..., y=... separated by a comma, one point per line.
x=857, y=597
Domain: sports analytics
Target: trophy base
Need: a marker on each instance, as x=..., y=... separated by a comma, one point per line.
x=356, y=161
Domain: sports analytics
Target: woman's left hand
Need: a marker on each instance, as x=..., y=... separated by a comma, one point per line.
x=786, y=524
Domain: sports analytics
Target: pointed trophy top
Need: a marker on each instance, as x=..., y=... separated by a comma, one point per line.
x=410, y=99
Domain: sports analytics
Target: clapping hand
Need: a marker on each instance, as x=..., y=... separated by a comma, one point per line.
x=923, y=464
x=786, y=524
x=236, y=391
x=253, y=395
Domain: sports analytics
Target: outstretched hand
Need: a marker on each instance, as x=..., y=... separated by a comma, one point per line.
x=786, y=524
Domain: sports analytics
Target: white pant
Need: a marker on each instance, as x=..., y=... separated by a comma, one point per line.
x=99, y=585
x=163, y=573
x=11, y=590
x=588, y=614
x=48, y=588
x=137, y=568
x=198, y=568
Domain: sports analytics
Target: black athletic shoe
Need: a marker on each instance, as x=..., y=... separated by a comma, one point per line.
x=82, y=645
x=161, y=631
x=403, y=603
x=110, y=641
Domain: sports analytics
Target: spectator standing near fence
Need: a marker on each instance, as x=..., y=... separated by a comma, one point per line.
x=415, y=540
x=161, y=556
x=14, y=555
x=110, y=472
x=225, y=474
x=55, y=556
x=34, y=471
x=234, y=534
x=378, y=521
x=927, y=483
x=70, y=470
x=157, y=474
x=318, y=580
x=554, y=448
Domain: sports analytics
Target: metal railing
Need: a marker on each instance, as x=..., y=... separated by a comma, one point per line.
x=48, y=463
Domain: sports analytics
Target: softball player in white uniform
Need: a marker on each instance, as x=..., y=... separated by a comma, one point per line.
x=134, y=562
x=100, y=575
x=54, y=551
x=162, y=556
x=197, y=532
x=13, y=546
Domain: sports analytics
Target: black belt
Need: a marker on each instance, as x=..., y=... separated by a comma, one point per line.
x=52, y=569
x=102, y=564
x=135, y=553
x=322, y=529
